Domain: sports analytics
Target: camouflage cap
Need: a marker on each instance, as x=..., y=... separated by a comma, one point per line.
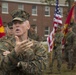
x=9, y=24
x=71, y=25
x=20, y=15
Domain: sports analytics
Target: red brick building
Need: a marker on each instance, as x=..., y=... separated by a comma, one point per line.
x=41, y=13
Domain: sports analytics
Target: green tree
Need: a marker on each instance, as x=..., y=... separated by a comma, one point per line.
x=69, y=2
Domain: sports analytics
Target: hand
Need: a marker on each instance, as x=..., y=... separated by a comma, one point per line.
x=21, y=46
x=6, y=53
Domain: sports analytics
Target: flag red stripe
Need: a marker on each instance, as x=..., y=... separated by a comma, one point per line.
x=58, y=18
x=57, y=23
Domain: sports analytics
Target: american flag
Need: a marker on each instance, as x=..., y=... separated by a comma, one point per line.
x=57, y=21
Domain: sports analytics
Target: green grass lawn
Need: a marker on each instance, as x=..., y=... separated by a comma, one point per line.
x=64, y=70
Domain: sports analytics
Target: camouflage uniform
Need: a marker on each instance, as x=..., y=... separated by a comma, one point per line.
x=31, y=61
x=10, y=36
x=69, y=48
x=7, y=36
x=57, y=50
x=33, y=36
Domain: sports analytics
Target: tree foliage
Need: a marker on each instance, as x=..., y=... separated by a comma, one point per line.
x=69, y=2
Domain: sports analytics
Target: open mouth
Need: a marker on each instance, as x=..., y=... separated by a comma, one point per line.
x=17, y=30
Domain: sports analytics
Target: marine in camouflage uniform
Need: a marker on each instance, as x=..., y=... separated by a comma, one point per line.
x=30, y=62
x=25, y=57
x=10, y=34
x=69, y=47
x=57, y=50
x=9, y=31
x=32, y=34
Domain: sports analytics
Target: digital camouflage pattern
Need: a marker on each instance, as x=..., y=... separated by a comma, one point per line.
x=70, y=49
x=57, y=51
x=30, y=62
x=33, y=36
x=20, y=15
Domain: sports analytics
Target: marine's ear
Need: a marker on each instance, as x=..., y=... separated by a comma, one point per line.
x=28, y=24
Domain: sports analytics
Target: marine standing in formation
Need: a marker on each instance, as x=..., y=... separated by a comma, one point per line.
x=57, y=50
x=32, y=33
x=70, y=47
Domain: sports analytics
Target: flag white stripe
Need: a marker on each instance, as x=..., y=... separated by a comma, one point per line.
x=57, y=15
x=57, y=21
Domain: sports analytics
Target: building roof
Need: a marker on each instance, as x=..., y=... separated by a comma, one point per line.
x=61, y=2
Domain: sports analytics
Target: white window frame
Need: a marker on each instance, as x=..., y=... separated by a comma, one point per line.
x=47, y=9
x=21, y=6
x=34, y=10
x=61, y=9
x=47, y=31
x=5, y=6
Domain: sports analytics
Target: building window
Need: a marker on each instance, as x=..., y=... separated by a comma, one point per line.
x=61, y=9
x=34, y=10
x=5, y=8
x=21, y=6
x=47, y=31
x=47, y=11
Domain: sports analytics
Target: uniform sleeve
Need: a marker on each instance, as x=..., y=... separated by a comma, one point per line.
x=37, y=61
x=8, y=62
